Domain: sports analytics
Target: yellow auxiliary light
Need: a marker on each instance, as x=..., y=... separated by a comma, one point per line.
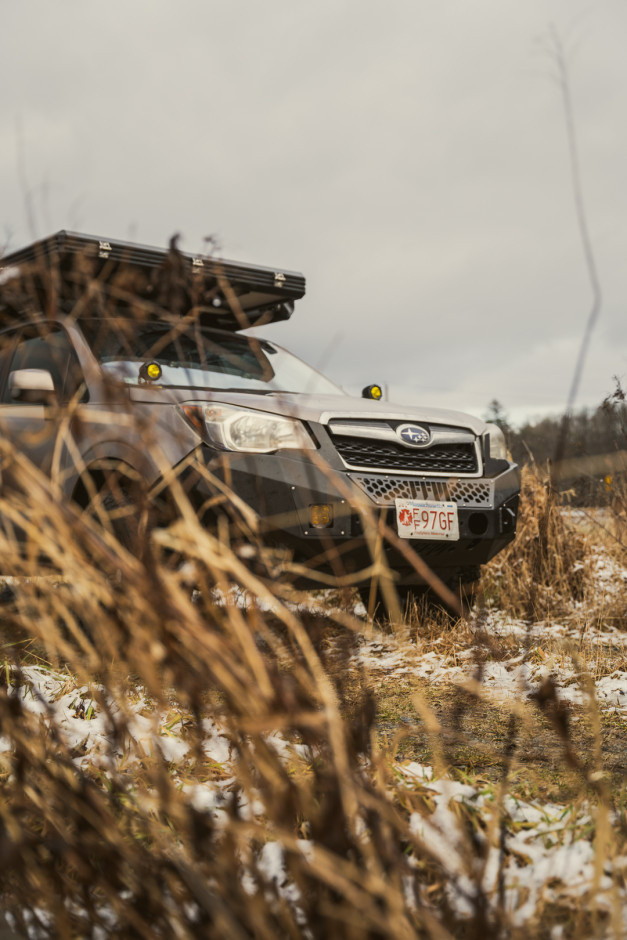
x=150, y=371
x=372, y=391
x=321, y=516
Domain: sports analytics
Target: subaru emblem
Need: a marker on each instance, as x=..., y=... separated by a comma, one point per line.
x=414, y=434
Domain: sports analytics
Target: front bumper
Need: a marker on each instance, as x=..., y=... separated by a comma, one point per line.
x=281, y=489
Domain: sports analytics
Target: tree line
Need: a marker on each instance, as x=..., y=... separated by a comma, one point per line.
x=594, y=465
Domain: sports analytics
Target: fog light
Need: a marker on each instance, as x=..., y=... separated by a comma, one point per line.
x=321, y=516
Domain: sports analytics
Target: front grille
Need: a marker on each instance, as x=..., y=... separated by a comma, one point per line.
x=383, y=490
x=384, y=455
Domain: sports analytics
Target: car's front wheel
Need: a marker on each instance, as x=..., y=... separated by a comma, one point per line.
x=116, y=499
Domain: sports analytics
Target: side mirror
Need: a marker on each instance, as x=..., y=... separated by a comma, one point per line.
x=31, y=385
x=372, y=391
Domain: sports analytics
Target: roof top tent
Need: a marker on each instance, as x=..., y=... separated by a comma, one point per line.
x=87, y=276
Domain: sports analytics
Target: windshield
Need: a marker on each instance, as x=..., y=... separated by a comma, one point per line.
x=202, y=358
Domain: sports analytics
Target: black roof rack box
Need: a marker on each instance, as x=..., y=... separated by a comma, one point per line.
x=67, y=266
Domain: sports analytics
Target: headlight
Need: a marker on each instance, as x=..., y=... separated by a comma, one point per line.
x=242, y=429
x=498, y=447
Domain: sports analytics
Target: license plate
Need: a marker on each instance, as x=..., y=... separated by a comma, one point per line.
x=426, y=519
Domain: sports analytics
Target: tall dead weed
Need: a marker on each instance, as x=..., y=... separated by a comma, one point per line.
x=549, y=566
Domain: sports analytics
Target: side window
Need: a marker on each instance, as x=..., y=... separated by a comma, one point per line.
x=44, y=347
x=7, y=344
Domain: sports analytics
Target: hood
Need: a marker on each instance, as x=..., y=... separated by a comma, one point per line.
x=322, y=408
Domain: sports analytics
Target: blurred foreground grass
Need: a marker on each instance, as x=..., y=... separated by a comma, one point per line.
x=188, y=750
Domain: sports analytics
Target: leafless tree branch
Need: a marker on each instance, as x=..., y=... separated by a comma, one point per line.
x=559, y=59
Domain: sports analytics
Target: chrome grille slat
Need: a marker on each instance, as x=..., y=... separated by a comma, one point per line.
x=384, y=431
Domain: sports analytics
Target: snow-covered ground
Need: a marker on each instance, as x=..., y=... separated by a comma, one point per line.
x=542, y=650
x=544, y=856
x=535, y=853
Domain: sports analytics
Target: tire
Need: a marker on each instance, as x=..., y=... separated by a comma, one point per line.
x=121, y=507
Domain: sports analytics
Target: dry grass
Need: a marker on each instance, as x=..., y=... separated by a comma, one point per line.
x=115, y=841
x=549, y=565
x=154, y=833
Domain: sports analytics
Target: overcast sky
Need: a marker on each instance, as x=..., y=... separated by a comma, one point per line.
x=409, y=156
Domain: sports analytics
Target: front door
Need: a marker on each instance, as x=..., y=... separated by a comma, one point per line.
x=37, y=430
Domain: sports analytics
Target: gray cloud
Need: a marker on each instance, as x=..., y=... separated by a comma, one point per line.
x=410, y=157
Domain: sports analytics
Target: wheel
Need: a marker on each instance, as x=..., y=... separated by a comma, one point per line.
x=121, y=507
